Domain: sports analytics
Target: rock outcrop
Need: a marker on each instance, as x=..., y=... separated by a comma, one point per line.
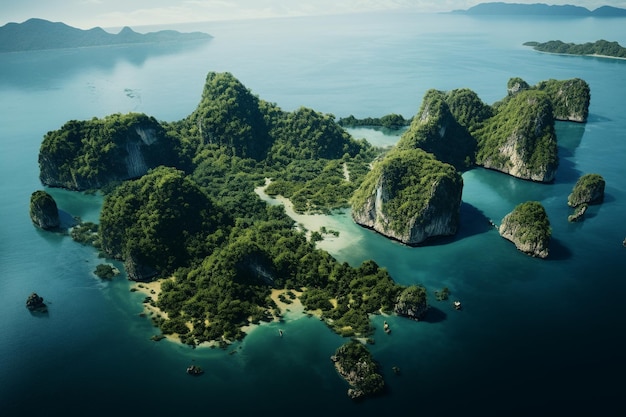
x=436, y=130
x=138, y=271
x=412, y=303
x=520, y=139
x=409, y=196
x=355, y=364
x=35, y=303
x=528, y=227
x=94, y=153
x=589, y=189
x=43, y=210
x=570, y=98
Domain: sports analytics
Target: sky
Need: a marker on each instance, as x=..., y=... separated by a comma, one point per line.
x=86, y=14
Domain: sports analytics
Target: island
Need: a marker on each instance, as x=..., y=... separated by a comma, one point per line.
x=182, y=208
x=355, y=364
x=39, y=34
x=35, y=303
x=43, y=210
x=540, y=9
x=410, y=196
x=589, y=189
x=528, y=227
x=600, y=48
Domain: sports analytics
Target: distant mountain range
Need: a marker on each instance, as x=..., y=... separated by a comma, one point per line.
x=36, y=34
x=540, y=9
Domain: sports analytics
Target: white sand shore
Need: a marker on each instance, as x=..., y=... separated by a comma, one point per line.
x=314, y=222
x=287, y=311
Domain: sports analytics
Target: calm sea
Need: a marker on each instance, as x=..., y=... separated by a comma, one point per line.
x=534, y=338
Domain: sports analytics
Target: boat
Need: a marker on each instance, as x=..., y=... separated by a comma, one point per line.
x=457, y=305
x=280, y=332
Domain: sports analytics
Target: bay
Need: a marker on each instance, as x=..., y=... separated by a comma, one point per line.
x=535, y=337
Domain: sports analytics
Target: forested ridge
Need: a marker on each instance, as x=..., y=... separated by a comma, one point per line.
x=198, y=222
x=600, y=47
x=193, y=215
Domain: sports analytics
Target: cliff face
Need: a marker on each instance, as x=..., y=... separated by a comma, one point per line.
x=570, y=98
x=43, y=210
x=435, y=130
x=91, y=154
x=589, y=189
x=527, y=226
x=410, y=196
x=520, y=139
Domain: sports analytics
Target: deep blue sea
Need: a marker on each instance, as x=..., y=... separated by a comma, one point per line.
x=534, y=337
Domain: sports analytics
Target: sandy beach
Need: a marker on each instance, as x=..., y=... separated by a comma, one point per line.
x=314, y=222
x=287, y=310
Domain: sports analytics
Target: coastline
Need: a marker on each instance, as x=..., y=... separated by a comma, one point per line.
x=314, y=222
x=587, y=55
x=287, y=311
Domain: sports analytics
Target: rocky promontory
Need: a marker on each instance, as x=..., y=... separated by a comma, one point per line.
x=589, y=189
x=355, y=364
x=412, y=302
x=43, y=210
x=94, y=153
x=528, y=227
x=409, y=196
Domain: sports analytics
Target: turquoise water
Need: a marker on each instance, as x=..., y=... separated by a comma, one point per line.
x=535, y=337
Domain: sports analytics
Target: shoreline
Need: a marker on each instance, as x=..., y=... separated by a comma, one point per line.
x=587, y=55
x=314, y=222
x=287, y=311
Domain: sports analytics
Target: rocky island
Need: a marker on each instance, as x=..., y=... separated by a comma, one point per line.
x=409, y=196
x=355, y=364
x=35, y=303
x=589, y=189
x=43, y=210
x=528, y=227
x=181, y=208
x=412, y=303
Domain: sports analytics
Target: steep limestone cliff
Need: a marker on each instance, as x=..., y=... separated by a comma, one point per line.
x=409, y=196
x=570, y=98
x=528, y=227
x=435, y=130
x=43, y=210
x=94, y=153
x=589, y=189
x=520, y=139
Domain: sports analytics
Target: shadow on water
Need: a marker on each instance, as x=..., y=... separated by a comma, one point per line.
x=66, y=219
x=473, y=222
x=32, y=69
x=558, y=251
x=434, y=315
x=567, y=172
x=569, y=135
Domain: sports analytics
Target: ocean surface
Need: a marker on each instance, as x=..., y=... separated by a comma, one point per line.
x=534, y=337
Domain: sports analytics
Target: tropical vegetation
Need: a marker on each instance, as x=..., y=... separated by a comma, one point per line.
x=600, y=47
